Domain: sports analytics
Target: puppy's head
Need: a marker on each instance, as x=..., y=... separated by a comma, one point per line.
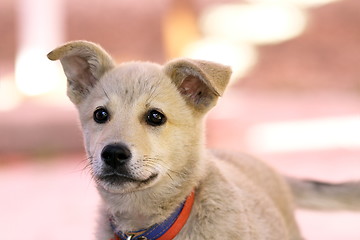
x=142, y=122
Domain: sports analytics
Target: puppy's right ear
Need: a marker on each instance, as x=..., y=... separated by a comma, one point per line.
x=84, y=63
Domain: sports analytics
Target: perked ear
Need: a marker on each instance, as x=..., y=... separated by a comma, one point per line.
x=84, y=63
x=199, y=82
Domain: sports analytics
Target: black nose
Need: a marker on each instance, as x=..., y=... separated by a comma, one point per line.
x=115, y=155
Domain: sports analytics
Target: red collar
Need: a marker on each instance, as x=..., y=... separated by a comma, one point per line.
x=171, y=232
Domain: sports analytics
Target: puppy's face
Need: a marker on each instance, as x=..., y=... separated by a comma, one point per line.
x=137, y=128
x=142, y=122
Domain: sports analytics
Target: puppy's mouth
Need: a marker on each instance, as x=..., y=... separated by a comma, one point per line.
x=115, y=178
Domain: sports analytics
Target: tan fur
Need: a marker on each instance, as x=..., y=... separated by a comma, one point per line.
x=236, y=196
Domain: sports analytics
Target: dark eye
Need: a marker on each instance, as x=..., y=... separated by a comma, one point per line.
x=155, y=118
x=101, y=115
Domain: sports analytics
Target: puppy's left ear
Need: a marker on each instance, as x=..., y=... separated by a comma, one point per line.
x=199, y=82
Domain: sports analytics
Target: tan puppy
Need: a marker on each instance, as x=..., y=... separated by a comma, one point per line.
x=143, y=126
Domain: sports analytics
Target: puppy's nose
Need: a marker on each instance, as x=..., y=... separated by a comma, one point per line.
x=115, y=155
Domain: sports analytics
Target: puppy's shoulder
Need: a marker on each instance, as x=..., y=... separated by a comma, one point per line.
x=240, y=166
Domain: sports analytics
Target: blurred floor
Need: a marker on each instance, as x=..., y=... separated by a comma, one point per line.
x=47, y=200
x=58, y=201
x=52, y=197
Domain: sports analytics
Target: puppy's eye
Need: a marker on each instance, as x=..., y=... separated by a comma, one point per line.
x=101, y=115
x=155, y=118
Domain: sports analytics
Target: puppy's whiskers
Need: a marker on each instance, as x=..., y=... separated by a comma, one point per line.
x=158, y=164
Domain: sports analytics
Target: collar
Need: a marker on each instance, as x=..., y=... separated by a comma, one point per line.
x=166, y=230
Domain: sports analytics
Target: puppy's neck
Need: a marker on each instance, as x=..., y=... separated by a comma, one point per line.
x=143, y=209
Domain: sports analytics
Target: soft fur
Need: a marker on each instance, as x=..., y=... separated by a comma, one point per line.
x=236, y=196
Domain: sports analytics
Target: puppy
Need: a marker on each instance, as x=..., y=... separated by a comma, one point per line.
x=143, y=127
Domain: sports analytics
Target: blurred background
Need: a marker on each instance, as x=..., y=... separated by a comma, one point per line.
x=294, y=100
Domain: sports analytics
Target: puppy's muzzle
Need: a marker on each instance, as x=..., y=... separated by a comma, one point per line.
x=116, y=158
x=116, y=155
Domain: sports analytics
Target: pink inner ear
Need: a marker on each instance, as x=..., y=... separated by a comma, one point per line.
x=78, y=70
x=193, y=88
